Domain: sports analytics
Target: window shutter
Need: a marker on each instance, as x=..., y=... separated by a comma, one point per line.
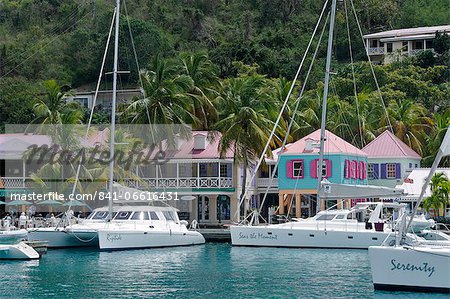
x=364, y=172
x=347, y=169
x=376, y=171
x=313, y=168
x=383, y=171
x=290, y=169
x=398, y=171
x=328, y=167
x=353, y=169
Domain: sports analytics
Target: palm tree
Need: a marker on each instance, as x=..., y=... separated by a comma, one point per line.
x=203, y=74
x=53, y=109
x=165, y=98
x=245, y=124
x=434, y=140
x=409, y=121
x=440, y=190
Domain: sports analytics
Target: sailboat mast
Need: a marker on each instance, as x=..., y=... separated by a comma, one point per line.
x=324, y=102
x=113, y=113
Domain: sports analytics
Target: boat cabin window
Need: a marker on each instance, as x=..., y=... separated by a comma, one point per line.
x=350, y=216
x=340, y=216
x=153, y=215
x=91, y=215
x=140, y=216
x=326, y=217
x=169, y=216
x=123, y=215
x=100, y=215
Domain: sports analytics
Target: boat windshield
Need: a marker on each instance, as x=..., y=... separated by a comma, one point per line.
x=123, y=215
x=140, y=216
x=101, y=215
x=326, y=217
x=169, y=216
x=153, y=215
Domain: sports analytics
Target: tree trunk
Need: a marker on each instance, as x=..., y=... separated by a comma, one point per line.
x=244, y=186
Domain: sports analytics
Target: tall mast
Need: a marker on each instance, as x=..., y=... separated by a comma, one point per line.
x=113, y=113
x=324, y=102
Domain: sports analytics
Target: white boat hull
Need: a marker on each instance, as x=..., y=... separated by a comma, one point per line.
x=411, y=269
x=12, y=236
x=134, y=239
x=271, y=236
x=61, y=238
x=19, y=251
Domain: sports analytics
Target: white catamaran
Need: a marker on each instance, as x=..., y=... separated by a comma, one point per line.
x=418, y=265
x=360, y=227
x=126, y=225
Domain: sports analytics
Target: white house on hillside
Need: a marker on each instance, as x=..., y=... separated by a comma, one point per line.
x=384, y=47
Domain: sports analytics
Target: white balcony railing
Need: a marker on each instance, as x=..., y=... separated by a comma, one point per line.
x=376, y=51
x=264, y=182
x=190, y=183
x=14, y=182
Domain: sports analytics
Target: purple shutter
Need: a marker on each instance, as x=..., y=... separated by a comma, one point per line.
x=383, y=171
x=376, y=171
x=313, y=168
x=398, y=171
x=229, y=169
x=347, y=169
x=290, y=169
x=328, y=167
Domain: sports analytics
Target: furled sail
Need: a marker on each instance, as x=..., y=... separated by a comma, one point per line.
x=340, y=191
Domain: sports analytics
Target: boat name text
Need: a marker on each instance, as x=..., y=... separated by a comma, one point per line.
x=424, y=267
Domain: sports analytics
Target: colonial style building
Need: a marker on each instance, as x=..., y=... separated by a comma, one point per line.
x=388, y=46
x=390, y=160
x=298, y=171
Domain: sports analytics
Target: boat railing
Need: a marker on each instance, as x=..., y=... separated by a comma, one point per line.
x=442, y=227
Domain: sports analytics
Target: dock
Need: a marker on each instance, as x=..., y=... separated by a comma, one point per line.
x=39, y=246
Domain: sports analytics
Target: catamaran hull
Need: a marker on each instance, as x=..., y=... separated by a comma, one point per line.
x=293, y=237
x=411, y=269
x=19, y=251
x=13, y=236
x=65, y=238
x=132, y=239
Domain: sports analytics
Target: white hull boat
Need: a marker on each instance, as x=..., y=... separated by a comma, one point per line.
x=12, y=247
x=12, y=236
x=146, y=227
x=71, y=236
x=409, y=268
x=357, y=228
x=117, y=239
x=273, y=236
x=19, y=251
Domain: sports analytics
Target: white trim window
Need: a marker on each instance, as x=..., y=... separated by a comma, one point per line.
x=297, y=169
x=370, y=172
x=391, y=171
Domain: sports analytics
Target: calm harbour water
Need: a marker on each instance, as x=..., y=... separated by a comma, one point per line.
x=211, y=270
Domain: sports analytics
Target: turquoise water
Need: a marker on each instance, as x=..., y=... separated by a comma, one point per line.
x=211, y=270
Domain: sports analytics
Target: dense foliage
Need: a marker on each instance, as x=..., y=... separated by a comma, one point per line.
x=203, y=57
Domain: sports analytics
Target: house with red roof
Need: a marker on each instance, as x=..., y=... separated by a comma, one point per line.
x=193, y=168
x=390, y=160
x=298, y=170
